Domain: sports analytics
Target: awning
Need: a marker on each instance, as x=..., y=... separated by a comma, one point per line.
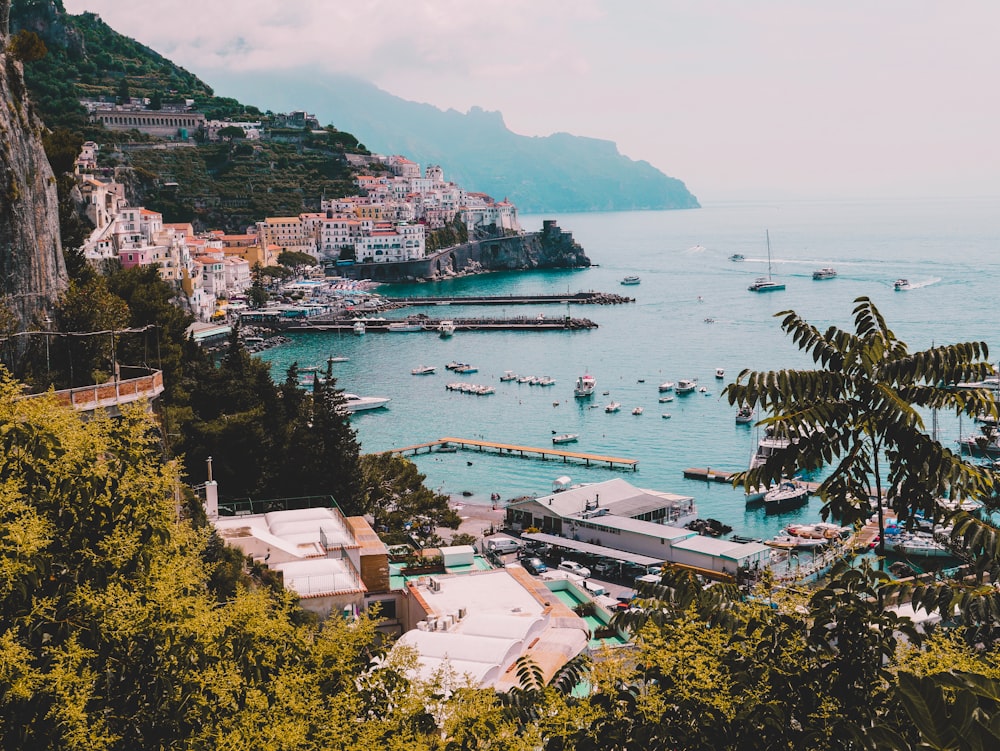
x=586, y=547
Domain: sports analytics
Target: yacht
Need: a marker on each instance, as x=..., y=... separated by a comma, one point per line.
x=766, y=283
x=355, y=403
x=612, y=407
x=901, y=284
x=686, y=385
x=631, y=279
x=446, y=329
x=824, y=273
x=585, y=386
x=788, y=494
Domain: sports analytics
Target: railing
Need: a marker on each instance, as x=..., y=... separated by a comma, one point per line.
x=113, y=393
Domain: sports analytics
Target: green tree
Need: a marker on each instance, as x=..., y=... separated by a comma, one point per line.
x=229, y=132
x=399, y=501
x=292, y=258
x=123, y=95
x=27, y=46
x=89, y=318
x=860, y=413
x=257, y=294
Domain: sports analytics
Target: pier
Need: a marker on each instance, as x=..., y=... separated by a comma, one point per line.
x=579, y=298
x=511, y=449
x=518, y=323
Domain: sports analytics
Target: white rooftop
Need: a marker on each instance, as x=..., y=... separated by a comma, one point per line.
x=317, y=577
x=616, y=496
x=721, y=548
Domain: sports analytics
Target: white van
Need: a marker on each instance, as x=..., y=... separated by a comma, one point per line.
x=503, y=545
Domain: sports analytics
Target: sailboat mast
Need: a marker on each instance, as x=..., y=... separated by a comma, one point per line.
x=767, y=234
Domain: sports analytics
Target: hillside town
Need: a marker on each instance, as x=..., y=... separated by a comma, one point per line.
x=387, y=222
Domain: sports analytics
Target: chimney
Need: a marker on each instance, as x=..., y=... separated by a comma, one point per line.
x=211, y=494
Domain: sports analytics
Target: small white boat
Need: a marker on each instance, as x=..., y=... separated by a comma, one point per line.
x=526, y=379
x=355, y=403
x=423, y=370
x=901, y=284
x=665, y=415
x=720, y=373
x=824, y=273
x=508, y=375
x=466, y=368
x=637, y=411
x=585, y=386
x=667, y=398
x=565, y=438
x=791, y=542
x=338, y=358
x=612, y=407
x=358, y=328
x=446, y=329
x=666, y=386
x=915, y=544
x=686, y=385
x=744, y=415
x=546, y=381
x=631, y=279
x=453, y=364
x=405, y=327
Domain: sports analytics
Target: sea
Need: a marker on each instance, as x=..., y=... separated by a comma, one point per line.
x=692, y=315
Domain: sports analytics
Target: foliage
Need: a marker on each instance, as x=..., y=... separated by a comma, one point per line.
x=26, y=46
x=455, y=233
x=860, y=413
x=88, y=315
x=292, y=258
x=398, y=500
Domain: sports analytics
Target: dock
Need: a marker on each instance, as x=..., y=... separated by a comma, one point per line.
x=525, y=452
x=578, y=298
x=709, y=475
x=430, y=325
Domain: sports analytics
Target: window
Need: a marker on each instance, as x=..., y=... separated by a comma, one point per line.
x=387, y=609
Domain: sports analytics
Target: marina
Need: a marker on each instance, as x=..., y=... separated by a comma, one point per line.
x=525, y=452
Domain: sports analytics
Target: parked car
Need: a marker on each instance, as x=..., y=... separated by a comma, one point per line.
x=534, y=565
x=606, y=568
x=575, y=568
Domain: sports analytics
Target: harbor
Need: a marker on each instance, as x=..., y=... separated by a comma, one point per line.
x=577, y=298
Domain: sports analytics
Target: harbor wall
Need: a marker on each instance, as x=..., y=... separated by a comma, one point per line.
x=551, y=248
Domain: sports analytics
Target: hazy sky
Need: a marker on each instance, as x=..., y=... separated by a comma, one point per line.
x=776, y=98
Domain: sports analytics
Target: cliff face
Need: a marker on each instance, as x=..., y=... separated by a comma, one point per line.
x=552, y=248
x=32, y=272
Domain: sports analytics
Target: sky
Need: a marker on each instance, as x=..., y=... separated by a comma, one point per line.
x=741, y=100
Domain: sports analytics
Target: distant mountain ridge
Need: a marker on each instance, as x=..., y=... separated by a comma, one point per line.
x=561, y=172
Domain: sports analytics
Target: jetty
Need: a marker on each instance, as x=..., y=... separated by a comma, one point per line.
x=381, y=325
x=513, y=449
x=579, y=298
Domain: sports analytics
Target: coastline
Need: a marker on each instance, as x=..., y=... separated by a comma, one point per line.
x=478, y=519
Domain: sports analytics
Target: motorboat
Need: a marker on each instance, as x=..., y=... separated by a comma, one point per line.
x=546, y=381
x=737, y=257
x=453, y=364
x=792, y=542
x=686, y=385
x=612, y=407
x=744, y=416
x=901, y=284
x=667, y=398
x=819, y=531
x=423, y=370
x=666, y=386
x=446, y=329
x=355, y=403
x=720, y=373
x=466, y=368
x=766, y=283
x=788, y=494
x=405, y=327
x=637, y=411
x=337, y=358
x=824, y=273
x=526, y=379
x=665, y=415
x=585, y=386
x=508, y=375
x=631, y=279
x=358, y=328
x=768, y=445
x=915, y=544
x=565, y=438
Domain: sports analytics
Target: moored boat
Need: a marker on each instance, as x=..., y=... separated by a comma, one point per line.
x=637, y=411
x=565, y=438
x=612, y=407
x=508, y=375
x=744, y=416
x=788, y=494
x=666, y=386
x=404, y=327
x=686, y=385
x=585, y=386
x=446, y=329
x=631, y=279
x=720, y=373
x=358, y=328
x=423, y=370
x=355, y=403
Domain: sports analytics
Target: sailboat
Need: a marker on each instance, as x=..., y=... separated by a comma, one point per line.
x=766, y=283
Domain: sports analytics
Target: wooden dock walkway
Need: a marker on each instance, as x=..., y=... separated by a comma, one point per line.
x=513, y=449
x=579, y=298
x=430, y=325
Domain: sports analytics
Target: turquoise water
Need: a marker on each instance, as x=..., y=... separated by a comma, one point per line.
x=947, y=249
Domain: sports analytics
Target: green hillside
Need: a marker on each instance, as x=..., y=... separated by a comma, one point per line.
x=215, y=185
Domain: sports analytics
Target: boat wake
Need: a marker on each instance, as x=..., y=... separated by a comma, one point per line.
x=925, y=283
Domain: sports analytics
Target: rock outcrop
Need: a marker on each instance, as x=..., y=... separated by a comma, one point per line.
x=552, y=248
x=32, y=271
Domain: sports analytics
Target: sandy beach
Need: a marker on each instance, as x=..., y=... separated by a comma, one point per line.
x=477, y=518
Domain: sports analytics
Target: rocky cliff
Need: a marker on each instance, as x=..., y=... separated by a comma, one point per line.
x=552, y=248
x=32, y=271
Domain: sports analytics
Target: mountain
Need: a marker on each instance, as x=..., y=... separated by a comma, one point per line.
x=561, y=172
